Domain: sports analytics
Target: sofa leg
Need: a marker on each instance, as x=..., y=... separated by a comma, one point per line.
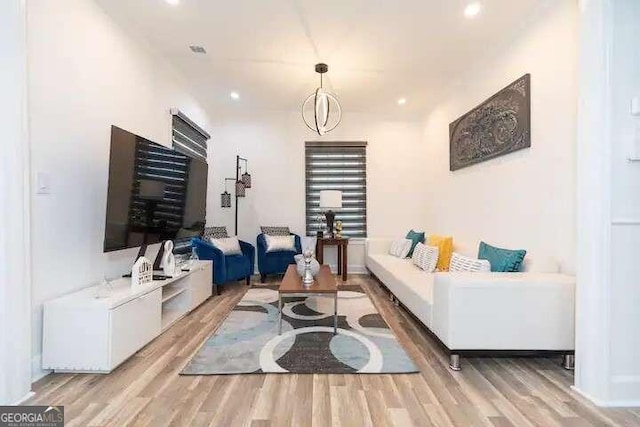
x=263, y=278
x=248, y=280
x=454, y=362
x=569, y=361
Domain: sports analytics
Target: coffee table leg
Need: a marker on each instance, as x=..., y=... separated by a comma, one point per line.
x=335, y=314
x=280, y=316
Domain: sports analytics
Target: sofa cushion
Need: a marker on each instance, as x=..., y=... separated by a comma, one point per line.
x=407, y=282
x=502, y=260
x=445, y=248
x=415, y=237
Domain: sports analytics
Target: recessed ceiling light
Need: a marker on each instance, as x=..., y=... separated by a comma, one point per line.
x=472, y=9
x=173, y=2
x=234, y=95
x=402, y=101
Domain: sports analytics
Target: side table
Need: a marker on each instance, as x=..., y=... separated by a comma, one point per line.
x=342, y=244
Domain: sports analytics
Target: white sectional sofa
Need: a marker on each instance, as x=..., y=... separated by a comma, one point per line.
x=484, y=313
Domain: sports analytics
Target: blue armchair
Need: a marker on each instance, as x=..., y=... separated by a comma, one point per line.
x=275, y=262
x=227, y=268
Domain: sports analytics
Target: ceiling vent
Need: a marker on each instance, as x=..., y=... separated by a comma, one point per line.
x=197, y=49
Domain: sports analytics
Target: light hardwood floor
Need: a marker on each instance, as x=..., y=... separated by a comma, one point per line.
x=147, y=390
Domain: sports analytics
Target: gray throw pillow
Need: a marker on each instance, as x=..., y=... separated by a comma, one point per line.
x=275, y=231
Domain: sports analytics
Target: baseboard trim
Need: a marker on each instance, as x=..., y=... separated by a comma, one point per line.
x=37, y=373
x=607, y=403
x=24, y=398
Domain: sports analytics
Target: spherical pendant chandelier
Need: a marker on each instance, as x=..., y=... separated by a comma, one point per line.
x=324, y=103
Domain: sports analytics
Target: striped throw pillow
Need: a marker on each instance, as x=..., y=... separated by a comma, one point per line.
x=400, y=248
x=425, y=257
x=464, y=263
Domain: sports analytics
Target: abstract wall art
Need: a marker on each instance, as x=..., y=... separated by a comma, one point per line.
x=500, y=125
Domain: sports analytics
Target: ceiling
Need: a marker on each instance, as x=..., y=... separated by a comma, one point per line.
x=377, y=50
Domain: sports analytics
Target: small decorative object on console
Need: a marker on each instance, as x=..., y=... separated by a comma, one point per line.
x=168, y=262
x=300, y=265
x=142, y=272
x=307, y=278
x=339, y=229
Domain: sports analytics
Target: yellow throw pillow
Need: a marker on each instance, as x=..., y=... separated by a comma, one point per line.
x=445, y=248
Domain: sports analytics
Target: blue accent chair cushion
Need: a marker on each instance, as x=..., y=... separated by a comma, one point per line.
x=227, y=268
x=275, y=262
x=502, y=260
x=415, y=237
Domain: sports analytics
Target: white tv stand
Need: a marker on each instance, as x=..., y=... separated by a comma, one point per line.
x=86, y=333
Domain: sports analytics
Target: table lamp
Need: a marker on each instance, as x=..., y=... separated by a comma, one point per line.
x=330, y=200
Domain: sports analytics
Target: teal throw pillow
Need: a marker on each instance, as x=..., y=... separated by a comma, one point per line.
x=502, y=260
x=415, y=237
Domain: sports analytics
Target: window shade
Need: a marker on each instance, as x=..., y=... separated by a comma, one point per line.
x=188, y=138
x=337, y=166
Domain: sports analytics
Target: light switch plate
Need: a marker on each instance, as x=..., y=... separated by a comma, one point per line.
x=43, y=183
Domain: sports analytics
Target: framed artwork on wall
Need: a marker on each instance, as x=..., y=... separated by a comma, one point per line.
x=498, y=126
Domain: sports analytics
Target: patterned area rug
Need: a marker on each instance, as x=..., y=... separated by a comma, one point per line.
x=248, y=341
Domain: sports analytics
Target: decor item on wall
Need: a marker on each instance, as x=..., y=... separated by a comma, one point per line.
x=322, y=107
x=500, y=125
x=240, y=187
x=142, y=272
x=330, y=200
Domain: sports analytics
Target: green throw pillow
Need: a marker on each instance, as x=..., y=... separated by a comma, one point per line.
x=415, y=237
x=502, y=260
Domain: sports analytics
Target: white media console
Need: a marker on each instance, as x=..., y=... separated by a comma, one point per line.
x=89, y=332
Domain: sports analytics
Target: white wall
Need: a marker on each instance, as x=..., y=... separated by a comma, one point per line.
x=15, y=284
x=525, y=199
x=85, y=74
x=608, y=314
x=274, y=144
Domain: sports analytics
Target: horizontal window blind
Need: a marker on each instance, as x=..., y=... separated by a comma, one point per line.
x=188, y=137
x=337, y=166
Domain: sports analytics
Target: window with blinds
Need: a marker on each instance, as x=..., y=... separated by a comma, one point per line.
x=337, y=166
x=188, y=137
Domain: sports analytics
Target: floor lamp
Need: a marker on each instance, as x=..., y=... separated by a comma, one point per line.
x=242, y=181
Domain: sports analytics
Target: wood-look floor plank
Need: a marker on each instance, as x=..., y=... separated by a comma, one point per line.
x=147, y=390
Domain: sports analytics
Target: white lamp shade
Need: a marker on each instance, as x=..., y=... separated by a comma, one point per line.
x=330, y=199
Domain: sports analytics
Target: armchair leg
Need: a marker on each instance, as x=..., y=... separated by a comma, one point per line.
x=569, y=362
x=454, y=362
x=263, y=278
x=248, y=280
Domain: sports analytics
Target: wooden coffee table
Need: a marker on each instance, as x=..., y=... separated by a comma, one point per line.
x=325, y=283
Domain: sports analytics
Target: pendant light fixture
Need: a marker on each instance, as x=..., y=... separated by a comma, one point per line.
x=323, y=104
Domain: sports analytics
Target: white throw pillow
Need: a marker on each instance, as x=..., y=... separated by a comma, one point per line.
x=464, y=263
x=280, y=243
x=228, y=245
x=425, y=257
x=400, y=248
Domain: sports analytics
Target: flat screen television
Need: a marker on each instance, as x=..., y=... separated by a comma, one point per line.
x=155, y=193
